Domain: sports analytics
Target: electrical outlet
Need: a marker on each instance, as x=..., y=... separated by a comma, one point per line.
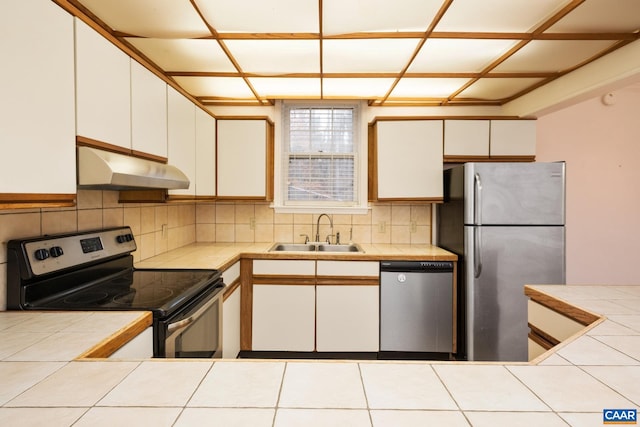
x=382, y=226
x=164, y=231
x=414, y=227
x=252, y=223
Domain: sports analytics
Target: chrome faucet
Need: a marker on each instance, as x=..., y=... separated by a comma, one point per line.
x=318, y=227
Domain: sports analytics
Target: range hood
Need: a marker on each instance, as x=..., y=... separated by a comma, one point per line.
x=98, y=169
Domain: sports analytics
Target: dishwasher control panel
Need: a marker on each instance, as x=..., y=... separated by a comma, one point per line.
x=419, y=266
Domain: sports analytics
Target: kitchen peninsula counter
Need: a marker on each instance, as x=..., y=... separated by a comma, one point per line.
x=571, y=384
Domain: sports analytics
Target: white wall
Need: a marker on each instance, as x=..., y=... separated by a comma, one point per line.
x=601, y=145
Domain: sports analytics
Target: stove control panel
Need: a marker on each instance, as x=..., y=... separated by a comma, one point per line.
x=53, y=253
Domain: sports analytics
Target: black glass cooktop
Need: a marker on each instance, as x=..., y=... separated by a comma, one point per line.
x=160, y=291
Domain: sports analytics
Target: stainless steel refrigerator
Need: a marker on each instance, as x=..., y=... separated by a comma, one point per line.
x=506, y=222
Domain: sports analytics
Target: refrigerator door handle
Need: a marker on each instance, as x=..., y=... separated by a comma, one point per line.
x=477, y=212
x=477, y=260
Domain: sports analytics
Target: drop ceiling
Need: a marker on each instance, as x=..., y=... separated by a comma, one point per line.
x=400, y=52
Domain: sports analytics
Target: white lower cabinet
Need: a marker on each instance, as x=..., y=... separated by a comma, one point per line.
x=231, y=325
x=347, y=318
x=141, y=347
x=283, y=318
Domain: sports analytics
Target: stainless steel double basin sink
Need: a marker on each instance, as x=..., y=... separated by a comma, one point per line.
x=315, y=247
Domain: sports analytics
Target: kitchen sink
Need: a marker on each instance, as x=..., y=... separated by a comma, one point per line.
x=351, y=247
x=315, y=247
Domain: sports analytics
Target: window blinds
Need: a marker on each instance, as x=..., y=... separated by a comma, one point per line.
x=321, y=156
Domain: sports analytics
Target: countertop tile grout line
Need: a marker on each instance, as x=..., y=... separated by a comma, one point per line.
x=32, y=385
x=277, y=406
x=195, y=389
x=364, y=391
x=435, y=372
x=613, y=348
x=581, y=367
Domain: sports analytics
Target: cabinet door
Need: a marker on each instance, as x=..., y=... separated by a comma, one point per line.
x=103, y=88
x=347, y=318
x=513, y=138
x=141, y=347
x=182, y=138
x=242, y=158
x=231, y=325
x=466, y=138
x=409, y=159
x=148, y=112
x=37, y=115
x=283, y=318
x=205, y=154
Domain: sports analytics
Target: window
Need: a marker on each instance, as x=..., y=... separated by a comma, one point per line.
x=320, y=155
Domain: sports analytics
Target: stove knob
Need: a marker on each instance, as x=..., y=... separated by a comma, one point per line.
x=56, y=251
x=129, y=237
x=121, y=238
x=41, y=254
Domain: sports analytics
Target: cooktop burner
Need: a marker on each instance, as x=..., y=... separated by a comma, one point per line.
x=155, y=290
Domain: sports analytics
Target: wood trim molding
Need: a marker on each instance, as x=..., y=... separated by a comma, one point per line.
x=142, y=196
x=410, y=118
x=580, y=315
x=546, y=341
x=372, y=166
x=512, y=158
x=347, y=281
x=230, y=289
x=263, y=279
x=246, y=303
x=110, y=345
x=36, y=200
x=265, y=118
x=83, y=141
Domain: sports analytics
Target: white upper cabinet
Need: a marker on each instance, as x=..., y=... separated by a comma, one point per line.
x=148, y=112
x=182, y=138
x=205, y=154
x=466, y=138
x=242, y=158
x=37, y=117
x=103, y=89
x=513, y=138
x=409, y=159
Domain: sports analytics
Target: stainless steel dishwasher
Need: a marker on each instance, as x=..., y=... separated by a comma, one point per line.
x=416, y=306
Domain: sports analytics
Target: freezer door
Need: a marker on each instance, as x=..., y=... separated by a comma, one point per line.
x=499, y=262
x=514, y=193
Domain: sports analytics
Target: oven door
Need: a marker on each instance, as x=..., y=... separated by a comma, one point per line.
x=196, y=331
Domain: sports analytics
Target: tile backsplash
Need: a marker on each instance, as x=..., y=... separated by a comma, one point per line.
x=159, y=228
x=398, y=223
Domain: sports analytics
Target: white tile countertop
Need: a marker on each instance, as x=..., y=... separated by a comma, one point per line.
x=42, y=383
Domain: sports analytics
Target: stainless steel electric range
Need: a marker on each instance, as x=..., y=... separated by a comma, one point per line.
x=94, y=270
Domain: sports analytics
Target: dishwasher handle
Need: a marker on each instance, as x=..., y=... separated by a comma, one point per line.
x=417, y=266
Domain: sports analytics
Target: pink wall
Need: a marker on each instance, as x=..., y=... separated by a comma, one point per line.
x=601, y=145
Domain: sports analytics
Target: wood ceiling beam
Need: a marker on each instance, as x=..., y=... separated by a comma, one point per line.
x=539, y=30
x=363, y=75
x=410, y=35
x=226, y=51
x=443, y=9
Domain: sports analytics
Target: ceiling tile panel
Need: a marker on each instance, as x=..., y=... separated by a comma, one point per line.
x=261, y=16
x=269, y=87
x=498, y=15
x=599, y=16
x=458, y=55
x=367, y=56
x=493, y=89
x=356, y=88
x=224, y=87
x=427, y=88
x=185, y=54
x=346, y=17
x=552, y=56
x=276, y=57
x=150, y=18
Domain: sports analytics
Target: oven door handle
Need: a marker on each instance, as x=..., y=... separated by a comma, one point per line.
x=182, y=324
